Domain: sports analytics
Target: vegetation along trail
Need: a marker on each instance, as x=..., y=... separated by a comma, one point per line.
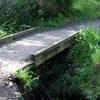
x=13, y=55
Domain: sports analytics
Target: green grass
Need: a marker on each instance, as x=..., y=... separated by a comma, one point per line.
x=88, y=8
x=96, y=56
x=2, y=33
x=28, y=79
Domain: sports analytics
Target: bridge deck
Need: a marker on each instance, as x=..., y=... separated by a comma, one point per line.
x=41, y=46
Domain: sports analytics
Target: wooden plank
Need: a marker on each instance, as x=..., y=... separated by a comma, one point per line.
x=42, y=45
x=52, y=50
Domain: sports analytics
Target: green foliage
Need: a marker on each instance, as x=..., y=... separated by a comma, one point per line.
x=2, y=33
x=17, y=15
x=85, y=63
x=88, y=8
x=23, y=75
x=81, y=76
x=54, y=22
x=73, y=73
x=21, y=10
x=28, y=79
x=51, y=8
x=81, y=53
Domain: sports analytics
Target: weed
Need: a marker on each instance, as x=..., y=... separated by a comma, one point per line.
x=84, y=56
x=28, y=79
x=2, y=33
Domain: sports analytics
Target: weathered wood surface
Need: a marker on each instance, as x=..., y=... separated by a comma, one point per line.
x=41, y=46
x=13, y=56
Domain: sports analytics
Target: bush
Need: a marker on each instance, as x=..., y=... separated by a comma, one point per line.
x=15, y=13
x=81, y=53
x=84, y=57
x=29, y=79
x=50, y=8
x=81, y=79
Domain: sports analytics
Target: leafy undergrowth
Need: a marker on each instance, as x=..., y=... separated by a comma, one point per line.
x=88, y=8
x=85, y=58
x=74, y=74
x=24, y=15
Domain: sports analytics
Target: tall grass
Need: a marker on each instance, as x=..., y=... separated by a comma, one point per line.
x=88, y=8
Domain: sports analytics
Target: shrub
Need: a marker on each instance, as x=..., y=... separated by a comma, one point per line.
x=84, y=62
x=53, y=7
x=15, y=13
x=29, y=79
x=81, y=79
x=81, y=53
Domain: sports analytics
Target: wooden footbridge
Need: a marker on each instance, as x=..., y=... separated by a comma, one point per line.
x=37, y=47
x=32, y=46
